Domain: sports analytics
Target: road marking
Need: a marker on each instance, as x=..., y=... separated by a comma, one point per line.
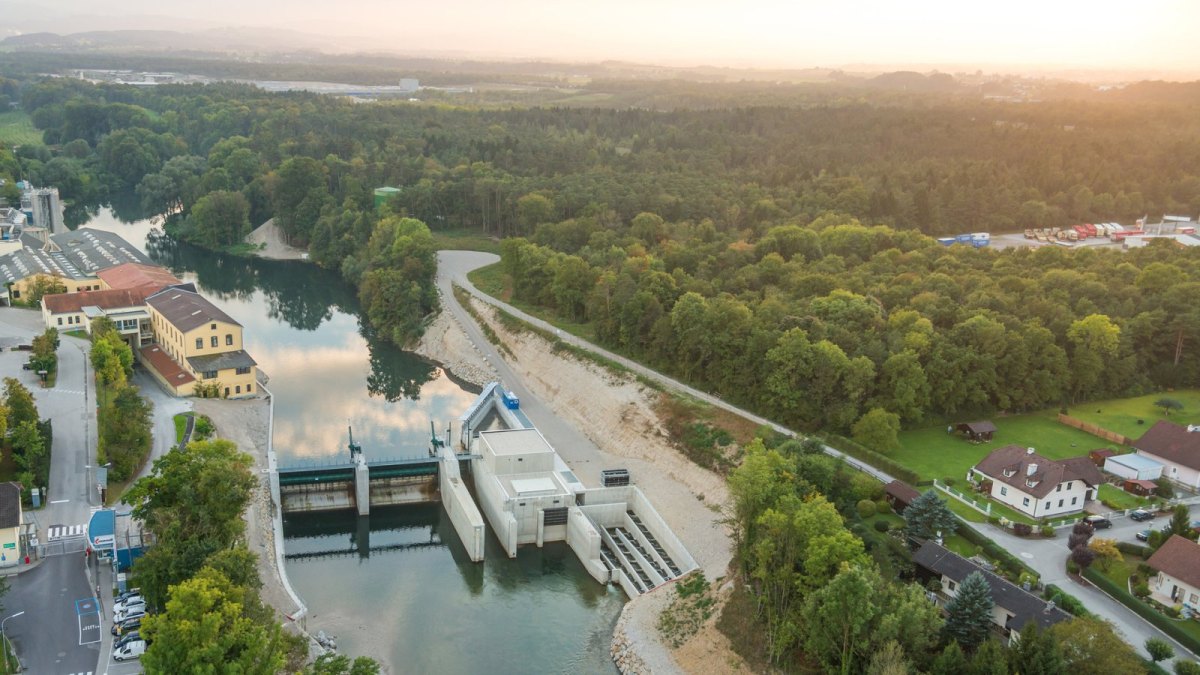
x=87, y=612
x=64, y=531
x=59, y=501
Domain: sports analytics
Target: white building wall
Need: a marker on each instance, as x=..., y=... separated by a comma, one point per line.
x=1072, y=499
x=1176, y=472
x=1165, y=583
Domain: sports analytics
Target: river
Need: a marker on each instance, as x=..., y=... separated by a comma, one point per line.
x=397, y=584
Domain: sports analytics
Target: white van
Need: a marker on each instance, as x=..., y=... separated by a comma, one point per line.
x=130, y=650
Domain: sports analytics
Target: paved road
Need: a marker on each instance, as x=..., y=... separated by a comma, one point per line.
x=59, y=607
x=1046, y=556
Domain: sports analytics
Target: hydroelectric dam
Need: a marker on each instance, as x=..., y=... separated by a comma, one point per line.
x=527, y=492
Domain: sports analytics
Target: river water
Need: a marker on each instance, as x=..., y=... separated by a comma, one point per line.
x=398, y=579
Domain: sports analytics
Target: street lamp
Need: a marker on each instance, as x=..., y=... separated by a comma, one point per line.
x=5, y=635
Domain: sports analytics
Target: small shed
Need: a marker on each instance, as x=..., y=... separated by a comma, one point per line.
x=977, y=431
x=1144, y=488
x=900, y=494
x=1099, y=455
x=1133, y=467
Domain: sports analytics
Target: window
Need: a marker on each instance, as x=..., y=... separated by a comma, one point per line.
x=60, y=320
x=1047, y=505
x=210, y=374
x=1069, y=484
x=16, y=293
x=213, y=327
x=1073, y=500
x=229, y=339
x=1025, y=501
x=951, y=585
x=243, y=371
x=249, y=388
x=1003, y=492
x=1059, y=488
x=1194, y=598
x=1060, y=503
x=213, y=341
x=237, y=389
x=199, y=343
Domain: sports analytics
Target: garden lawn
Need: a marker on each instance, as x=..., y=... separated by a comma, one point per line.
x=1121, y=415
x=16, y=128
x=933, y=453
x=180, y=426
x=1116, y=498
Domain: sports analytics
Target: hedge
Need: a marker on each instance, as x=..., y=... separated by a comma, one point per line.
x=863, y=454
x=1008, y=561
x=1134, y=549
x=1069, y=603
x=1145, y=611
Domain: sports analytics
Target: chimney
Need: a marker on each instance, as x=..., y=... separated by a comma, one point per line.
x=1029, y=451
x=1193, y=428
x=1031, y=469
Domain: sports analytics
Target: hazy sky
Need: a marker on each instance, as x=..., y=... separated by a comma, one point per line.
x=1135, y=34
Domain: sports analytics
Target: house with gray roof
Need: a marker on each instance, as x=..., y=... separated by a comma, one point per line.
x=1014, y=608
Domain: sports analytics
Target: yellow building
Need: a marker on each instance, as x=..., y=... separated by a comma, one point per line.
x=197, y=345
x=11, y=516
x=73, y=259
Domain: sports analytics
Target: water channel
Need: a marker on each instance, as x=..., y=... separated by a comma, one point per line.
x=397, y=584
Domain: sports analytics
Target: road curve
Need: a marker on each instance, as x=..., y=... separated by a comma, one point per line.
x=453, y=267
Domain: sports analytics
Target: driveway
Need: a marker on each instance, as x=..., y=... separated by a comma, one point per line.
x=1048, y=558
x=62, y=626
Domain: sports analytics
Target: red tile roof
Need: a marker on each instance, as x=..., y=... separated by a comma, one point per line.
x=62, y=303
x=1173, y=443
x=165, y=366
x=137, y=275
x=1179, y=558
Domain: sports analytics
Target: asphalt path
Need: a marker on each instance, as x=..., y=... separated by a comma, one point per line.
x=59, y=609
x=1046, y=556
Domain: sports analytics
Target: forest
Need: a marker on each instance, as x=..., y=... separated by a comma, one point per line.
x=758, y=252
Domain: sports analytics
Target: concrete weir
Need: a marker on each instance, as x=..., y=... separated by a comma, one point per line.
x=529, y=495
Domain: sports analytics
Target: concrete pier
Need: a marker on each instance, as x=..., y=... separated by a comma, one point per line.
x=362, y=486
x=464, y=515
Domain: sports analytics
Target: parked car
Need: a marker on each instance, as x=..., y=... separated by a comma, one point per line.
x=1144, y=535
x=130, y=650
x=1140, y=515
x=131, y=601
x=131, y=613
x=126, y=639
x=128, y=608
x=1098, y=522
x=131, y=593
x=124, y=627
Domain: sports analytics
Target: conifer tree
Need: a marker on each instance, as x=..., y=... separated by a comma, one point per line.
x=969, y=613
x=928, y=515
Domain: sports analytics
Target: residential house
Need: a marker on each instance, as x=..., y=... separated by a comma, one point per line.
x=1177, y=562
x=11, y=517
x=1176, y=447
x=196, y=342
x=126, y=309
x=1014, y=608
x=1038, y=486
x=899, y=494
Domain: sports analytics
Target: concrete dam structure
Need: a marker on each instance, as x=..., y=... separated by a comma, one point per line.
x=527, y=492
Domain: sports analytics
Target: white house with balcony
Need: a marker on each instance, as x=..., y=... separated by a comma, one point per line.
x=1035, y=485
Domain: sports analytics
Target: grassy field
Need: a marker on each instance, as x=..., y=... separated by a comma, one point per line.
x=933, y=453
x=492, y=281
x=465, y=240
x=17, y=129
x=1122, y=415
